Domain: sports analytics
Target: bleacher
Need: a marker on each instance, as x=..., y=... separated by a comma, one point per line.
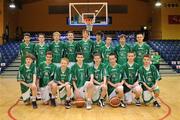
x=169, y=51
x=9, y=52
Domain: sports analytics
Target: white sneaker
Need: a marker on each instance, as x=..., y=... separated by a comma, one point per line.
x=88, y=105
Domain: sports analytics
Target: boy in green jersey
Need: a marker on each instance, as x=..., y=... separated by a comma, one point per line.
x=107, y=49
x=40, y=49
x=27, y=78
x=156, y=59
x=62, y=81
x=115, y=78
x=100, y=83
x=46, y=75
x=141, y=48
x=57, y=48
x=98, y=44
x=82, y=80
x=122, y=49
x=131, y=85
x=71, y=48
x=149, y=77
x=26, y=47
x=85, y=46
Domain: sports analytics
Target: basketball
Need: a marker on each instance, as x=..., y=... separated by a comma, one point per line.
x=114, y=101
x=80, y=102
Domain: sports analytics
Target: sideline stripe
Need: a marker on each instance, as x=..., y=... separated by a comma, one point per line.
x=10, y=109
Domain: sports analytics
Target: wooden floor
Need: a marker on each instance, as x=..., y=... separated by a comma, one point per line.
x=170, y=94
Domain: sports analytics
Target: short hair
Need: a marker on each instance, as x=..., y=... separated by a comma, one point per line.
x=140, y=33
x=100, y=33
x=56, y=33
x=108, y=36
x=29, y=55
x=65, y=59
x=49, y=53
x=113, y=54
x=131, y=52
x=41, y=34
x=147, y=55
x=79, y=53
x=122, y=36
x=84, y=30
x=97, y=54
x=27, y=34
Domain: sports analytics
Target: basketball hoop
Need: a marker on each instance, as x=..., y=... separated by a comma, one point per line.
x=89, y=23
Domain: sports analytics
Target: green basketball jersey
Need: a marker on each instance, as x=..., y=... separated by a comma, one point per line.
x=86, y=47
x=40, y=52
x=156, y=59
x=70, y=50
x=121, y=52
x=25, y=49
x=63, y=76
x=45, y=73
x=131, y=72
x=114, y=75
x=97, y=47
x=80, y=74
x=105, y=53
x=57, y=49
x=148, y=76
x=99, y=72
x=140, y=51
x=26, y=74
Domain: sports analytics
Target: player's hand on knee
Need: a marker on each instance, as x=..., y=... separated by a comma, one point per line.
x=129, y=86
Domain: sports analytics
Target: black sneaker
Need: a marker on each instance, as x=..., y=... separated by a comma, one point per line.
x=34, y=105
x=122, y=104
x=53, y=102
x=67, y=104
x=138, y=102
x=101, y=102
x=156, y=104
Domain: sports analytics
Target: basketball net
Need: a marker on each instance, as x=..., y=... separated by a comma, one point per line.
x=89, y=24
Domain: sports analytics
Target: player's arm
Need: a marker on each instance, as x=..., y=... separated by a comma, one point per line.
x=21, y=78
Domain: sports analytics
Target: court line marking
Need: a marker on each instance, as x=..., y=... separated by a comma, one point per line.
x=10, y=110
x=168, y=112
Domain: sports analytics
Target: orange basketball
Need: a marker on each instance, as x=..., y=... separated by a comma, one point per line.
x=80, y=102
x=114, y=101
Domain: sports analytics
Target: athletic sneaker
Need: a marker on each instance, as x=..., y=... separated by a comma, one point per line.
x=156, y=104
x=67, y=104
x=88, y=105
x=53, y=102
x=101, y=102
x=122, y=104
x=138, y=102
x=34, y=104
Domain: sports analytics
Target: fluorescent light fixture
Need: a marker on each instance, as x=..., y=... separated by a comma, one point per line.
x=158, y=3
x=12, y=4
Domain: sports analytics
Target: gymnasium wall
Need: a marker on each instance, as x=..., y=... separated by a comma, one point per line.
x=170, y=31
x=35, y=17
x=1, y=20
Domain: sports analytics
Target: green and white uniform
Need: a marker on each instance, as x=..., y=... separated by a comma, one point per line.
x=63, y=77
x=121, y=52
x=70, y=51
x=40, y=52
x=99, y=74
x=140, y=51
x=114, y=75
x=105, y=53
x=25, y=49
x=45, y=75
x=86, y=47
x=81, y=75
x=98, y=46
x=131, y=72
x=57, y=49
x=149, y=76
x=26, y=74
